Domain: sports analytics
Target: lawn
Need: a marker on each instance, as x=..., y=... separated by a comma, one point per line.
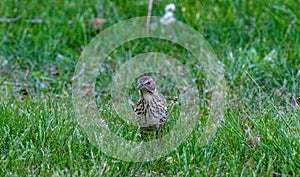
x=257, y=43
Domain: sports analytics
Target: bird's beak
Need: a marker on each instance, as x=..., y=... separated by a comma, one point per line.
x=140, y=86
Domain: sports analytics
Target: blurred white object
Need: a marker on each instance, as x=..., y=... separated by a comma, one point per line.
x=170, y=7
x=168, y=17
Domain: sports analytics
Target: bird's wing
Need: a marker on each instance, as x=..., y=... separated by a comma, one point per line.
x=138, y=106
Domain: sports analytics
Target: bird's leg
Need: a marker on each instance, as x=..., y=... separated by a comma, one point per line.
x=143, y=135
x=161, y=132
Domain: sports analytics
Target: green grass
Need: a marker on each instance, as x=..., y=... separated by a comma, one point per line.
x=257, y=41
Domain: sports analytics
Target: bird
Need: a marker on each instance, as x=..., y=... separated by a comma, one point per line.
x=150, y=110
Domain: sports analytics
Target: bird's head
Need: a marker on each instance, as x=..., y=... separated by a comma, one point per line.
x=146, y=84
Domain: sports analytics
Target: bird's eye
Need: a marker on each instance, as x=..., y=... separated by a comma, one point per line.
x=148, y=83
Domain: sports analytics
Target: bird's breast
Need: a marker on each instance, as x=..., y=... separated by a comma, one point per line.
x=150, y=111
